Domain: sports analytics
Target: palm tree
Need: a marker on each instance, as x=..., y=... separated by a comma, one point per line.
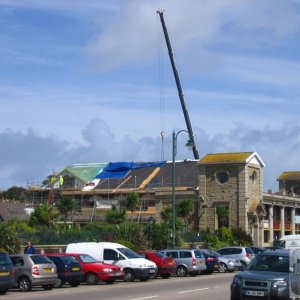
x=133, y=201
x=66, y=206
x=114, y=215
x=185, y=209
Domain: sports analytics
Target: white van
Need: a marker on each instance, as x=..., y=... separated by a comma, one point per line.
x=134, y=266
x=288, y=241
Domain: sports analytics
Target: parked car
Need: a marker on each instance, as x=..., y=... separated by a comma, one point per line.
x=227, y=264
x=68, y=269
x=211, y=261
x=257, y=250
x=95, y=271
x=271, y=275
x=188, y=261
x=6, y=273
x=34, y=270
x=166, y=265
x=243, y=254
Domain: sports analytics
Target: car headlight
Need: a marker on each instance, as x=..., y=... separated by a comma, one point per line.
x=107, y=270
x=236, y=280
x=280, y=283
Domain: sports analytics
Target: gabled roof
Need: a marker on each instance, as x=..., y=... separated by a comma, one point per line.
x=294, y=175
x=231, y=158
x=85, y=172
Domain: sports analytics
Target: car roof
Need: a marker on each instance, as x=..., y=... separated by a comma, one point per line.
x=277, y=252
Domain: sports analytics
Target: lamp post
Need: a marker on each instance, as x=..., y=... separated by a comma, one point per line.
x=189, y=145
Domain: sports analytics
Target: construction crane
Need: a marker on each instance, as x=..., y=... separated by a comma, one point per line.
x=178, y=84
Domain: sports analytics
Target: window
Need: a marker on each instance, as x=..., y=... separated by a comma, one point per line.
x=222, y=176
x=185, y=254
x=110, y=254
x=172, y=254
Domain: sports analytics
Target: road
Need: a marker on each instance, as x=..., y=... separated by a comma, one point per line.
x=208, y=287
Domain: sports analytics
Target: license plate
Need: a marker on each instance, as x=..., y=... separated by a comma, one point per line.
x=171, y=264
x=118, y=274
x=216, y=266
x=75, y=269
x=47, y=270
x=255, y=293
x=4, y=273
x=152, y=271
x=201, y=262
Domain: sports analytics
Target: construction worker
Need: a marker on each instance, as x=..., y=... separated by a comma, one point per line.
x=61, y=181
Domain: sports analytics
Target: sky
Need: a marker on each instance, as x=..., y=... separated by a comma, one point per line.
x=89, y=81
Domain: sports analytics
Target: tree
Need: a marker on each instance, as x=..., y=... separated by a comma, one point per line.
x=115, y=216
x=43, y=215
x=166, y=215
x=66, y=206
x=16, y=193
x=9, y=239
x=184, y=210
x=133, y=201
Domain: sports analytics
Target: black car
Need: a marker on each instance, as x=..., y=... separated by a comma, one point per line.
x=68, y=269
x=6, y=273
x=211, y=261
x=257, y=250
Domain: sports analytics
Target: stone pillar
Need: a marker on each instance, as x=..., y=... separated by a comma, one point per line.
x=271, y=227
x=282, y=227
x=293, y=220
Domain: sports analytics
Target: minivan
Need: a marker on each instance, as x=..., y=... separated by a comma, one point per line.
x=134, y=266
x=188, y=261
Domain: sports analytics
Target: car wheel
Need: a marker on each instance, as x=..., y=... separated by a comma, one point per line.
x=129, y=275
x=165, y=275
x=24, y=284
x=48, y=287
x=74, y=283
x=91, y=278
x=223, y=268
x=181, y=271
x=3, y=291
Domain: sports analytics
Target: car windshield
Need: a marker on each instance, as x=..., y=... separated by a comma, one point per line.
x=40, y=259
x=88, y=259
x=270, y=263
x=128, y=253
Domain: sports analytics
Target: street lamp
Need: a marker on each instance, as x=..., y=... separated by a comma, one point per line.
x=189, y=145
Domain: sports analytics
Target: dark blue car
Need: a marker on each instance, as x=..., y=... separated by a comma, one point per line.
x=6, y=273
x=211, y=261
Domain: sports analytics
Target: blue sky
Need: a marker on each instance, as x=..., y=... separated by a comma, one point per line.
x=84, y=81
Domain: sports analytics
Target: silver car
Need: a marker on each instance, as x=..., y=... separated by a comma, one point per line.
x=188, y=261
x=227, y=264
x=242, y=254
x=34, y=270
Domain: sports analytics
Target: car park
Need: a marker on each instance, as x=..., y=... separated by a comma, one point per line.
x=69, y=269
x=270, y=275
x=34, y=270
x=95, y=271
x=189, y=261
x=134, y=266
x=211, y=261
x=166, y=265
x=227, y=264
x=243, y=254
x=6, y=273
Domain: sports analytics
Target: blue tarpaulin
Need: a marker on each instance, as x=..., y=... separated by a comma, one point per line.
x=121, y=169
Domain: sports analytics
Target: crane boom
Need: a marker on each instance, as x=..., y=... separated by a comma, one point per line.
x=178, y=84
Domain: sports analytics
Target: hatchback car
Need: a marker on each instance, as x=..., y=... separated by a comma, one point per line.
x=271, y=275
x=6, y=273
x=34, y=270
x=166, y=265
x=227, y=264
x=243, y=254
x=188, y=261
x=95, y=271
x=211, y=261
x=68, y=269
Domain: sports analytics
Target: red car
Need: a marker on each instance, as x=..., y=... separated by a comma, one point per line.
x=166, y=265
x=95, y=270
